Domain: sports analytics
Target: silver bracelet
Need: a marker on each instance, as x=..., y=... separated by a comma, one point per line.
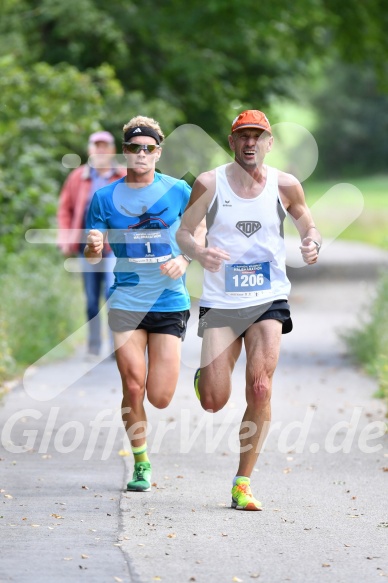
x=318, y=246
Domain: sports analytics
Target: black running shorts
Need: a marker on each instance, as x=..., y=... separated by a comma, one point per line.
x=241, y=319
x=174, y=323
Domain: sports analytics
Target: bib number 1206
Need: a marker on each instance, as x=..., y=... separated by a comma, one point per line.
x=251, y=280
x=247, y=280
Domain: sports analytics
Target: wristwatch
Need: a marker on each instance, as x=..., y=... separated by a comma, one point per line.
x=188, y=259
x=318, y=246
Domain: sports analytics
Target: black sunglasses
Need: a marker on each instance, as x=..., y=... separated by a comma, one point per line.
x=135, y=148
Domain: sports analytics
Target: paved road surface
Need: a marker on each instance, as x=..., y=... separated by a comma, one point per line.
x=65, y=516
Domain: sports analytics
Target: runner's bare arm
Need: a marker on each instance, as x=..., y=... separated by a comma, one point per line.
x=177, y=266
x=190, y=235
x=294, y=201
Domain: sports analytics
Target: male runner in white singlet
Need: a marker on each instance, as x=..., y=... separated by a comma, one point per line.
x=245, y=289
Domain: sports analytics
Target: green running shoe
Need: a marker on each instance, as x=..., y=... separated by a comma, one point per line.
x=141, y=479
x=242, y=497
x=196, y=382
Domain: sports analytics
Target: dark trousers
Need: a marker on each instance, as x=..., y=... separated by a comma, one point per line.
x=96, y=285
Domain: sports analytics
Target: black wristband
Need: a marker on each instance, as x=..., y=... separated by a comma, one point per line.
x=188, y=259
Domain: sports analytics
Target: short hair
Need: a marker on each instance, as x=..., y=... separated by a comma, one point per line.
x=141, y=120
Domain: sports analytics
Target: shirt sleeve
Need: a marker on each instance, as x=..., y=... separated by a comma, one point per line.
x=95, y=217
x=186, y=191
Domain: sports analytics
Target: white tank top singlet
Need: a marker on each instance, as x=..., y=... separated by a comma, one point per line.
x=251, y=231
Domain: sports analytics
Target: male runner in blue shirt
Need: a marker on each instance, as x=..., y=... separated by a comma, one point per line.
x=149, y=304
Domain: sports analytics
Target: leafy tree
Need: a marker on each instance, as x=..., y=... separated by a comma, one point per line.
x=204, y=59
x=352, y=133
x=359, y=33
x=45, y=112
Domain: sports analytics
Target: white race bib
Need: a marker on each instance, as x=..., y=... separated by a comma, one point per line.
x=148, y=245
x=247, y=279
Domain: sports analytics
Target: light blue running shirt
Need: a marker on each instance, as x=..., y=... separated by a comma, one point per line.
x=142, y=224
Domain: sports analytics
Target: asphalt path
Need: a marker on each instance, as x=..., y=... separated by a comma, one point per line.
x=322, y=477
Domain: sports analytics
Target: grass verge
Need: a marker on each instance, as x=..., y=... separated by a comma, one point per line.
x=368, y=343
x=41, y=304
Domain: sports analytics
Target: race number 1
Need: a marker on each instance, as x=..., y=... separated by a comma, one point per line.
x=148, y=245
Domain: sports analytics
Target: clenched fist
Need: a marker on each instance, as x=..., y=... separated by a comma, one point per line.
x=95, y=242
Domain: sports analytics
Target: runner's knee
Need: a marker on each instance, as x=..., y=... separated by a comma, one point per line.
x=260, y=391
x=133, y=392
x=213, y=403
x=159, y=401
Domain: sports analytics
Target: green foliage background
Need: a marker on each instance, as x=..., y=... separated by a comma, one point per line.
x=70, y=68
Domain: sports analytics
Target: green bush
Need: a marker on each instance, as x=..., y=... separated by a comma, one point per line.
x=50, y=114
x=7, y=363
x=368, y=344
x=41, y=305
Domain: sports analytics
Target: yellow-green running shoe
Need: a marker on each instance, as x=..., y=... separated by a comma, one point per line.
x=242, y=497
x=196, y=382
x=141, y=479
